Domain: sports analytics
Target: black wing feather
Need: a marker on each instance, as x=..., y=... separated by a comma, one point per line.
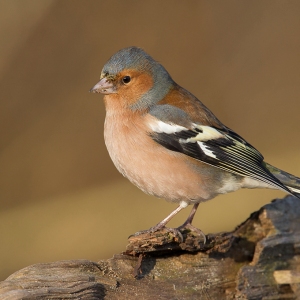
x=232, y=153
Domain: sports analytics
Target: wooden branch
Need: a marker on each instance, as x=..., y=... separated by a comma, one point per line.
x=258, y=260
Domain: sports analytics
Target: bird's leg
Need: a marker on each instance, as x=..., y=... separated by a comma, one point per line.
x=188, y=223
x=191, y=216
x=163, y=223
x=166, y=220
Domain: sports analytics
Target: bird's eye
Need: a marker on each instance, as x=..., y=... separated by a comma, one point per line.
x=126, y=79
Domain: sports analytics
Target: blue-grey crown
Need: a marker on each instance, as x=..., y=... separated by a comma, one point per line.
x=137, y=58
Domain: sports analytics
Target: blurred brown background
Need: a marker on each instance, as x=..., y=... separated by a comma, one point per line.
x=60, y=195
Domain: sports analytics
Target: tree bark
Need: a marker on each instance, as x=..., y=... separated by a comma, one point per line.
x=258, y=260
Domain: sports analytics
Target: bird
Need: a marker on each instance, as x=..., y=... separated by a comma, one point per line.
x=170, y=145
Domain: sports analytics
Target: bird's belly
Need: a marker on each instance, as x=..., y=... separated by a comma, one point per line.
x=159, y=171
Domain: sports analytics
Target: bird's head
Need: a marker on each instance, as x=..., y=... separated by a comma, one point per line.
x=135, y=77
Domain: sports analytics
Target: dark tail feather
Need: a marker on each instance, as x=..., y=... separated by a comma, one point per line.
x=289, y=180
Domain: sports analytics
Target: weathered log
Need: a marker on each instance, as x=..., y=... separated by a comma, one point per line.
x=258, y=260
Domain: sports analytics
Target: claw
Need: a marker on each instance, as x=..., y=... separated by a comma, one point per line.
x=175, y=231
x=193, y=229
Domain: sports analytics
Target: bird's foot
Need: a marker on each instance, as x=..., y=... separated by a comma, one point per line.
x=175, y=231
x=193, y=229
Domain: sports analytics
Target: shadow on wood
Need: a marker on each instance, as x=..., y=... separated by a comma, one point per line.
x=258, y=260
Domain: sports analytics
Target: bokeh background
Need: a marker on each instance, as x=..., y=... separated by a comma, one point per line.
x=60, y=195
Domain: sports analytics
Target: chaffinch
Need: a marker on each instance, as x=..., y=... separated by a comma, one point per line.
x=169, y=144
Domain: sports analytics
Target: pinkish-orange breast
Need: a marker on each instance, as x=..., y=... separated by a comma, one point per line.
x=153, y=168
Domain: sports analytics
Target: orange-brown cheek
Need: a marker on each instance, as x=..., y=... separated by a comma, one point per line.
x=131, y=93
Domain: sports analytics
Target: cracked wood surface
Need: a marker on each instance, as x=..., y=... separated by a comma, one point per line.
x=258, y=260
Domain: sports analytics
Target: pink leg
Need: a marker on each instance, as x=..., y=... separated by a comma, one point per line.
x=163, y=223
x=191, y=216
x=188, y=223
x=166, y=220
